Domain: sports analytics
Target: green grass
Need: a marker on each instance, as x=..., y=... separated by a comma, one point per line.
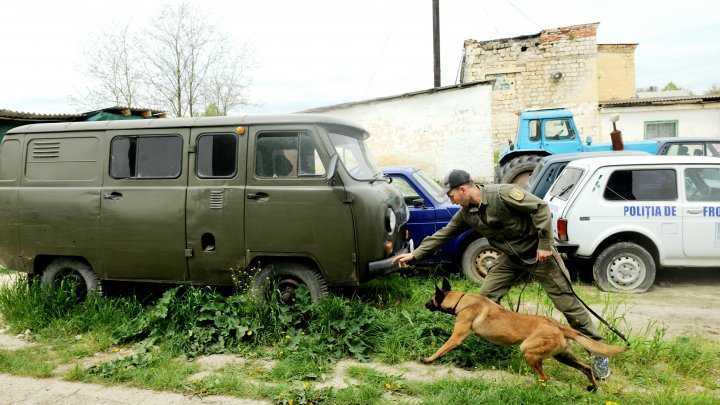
x=383, y=321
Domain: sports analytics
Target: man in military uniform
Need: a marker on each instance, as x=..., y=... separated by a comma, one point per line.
x=518, y=224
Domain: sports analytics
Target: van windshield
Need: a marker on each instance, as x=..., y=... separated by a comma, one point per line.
x=350, y=147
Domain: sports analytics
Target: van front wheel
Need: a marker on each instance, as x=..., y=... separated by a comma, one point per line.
x=624, y=267
x=75, y=273
x=286, y=279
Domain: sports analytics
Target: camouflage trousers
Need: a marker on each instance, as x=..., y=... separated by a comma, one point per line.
x=553, y=276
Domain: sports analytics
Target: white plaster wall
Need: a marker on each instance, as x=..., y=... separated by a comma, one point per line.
x=693, y=120
x=436, y=131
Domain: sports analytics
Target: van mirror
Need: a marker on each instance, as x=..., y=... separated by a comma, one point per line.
x=332, y=168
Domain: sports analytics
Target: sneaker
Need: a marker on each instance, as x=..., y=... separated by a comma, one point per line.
x=601, y=367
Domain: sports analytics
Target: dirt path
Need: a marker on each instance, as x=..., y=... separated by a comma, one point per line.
x=682, y=301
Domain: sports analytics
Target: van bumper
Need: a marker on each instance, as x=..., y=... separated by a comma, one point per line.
x=385, y=266
x=567, y=248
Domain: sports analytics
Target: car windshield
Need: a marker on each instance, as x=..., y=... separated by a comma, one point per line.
x=350, y=147
x=431, y=186
x=565, y=183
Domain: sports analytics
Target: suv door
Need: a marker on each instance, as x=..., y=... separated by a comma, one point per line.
x=290, y=210
x=216, y=205
x=142, y=214
x=701, y=212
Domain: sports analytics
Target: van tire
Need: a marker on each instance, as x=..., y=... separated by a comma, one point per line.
x=287, y=277
x=624, y=267
x=517, y=170
x=74, y=271
x=477, y=258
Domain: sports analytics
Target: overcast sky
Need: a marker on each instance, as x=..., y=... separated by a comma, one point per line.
x=315, y=53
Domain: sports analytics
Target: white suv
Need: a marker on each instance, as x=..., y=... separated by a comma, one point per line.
x=631, y=214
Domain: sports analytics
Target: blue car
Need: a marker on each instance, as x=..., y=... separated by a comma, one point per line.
x=428, y=213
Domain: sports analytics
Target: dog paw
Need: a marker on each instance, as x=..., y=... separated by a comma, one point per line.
x=592, y=388
x=425, y=360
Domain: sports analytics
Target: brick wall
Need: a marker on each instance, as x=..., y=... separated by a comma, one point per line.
x=523, y=69
x=616, y=71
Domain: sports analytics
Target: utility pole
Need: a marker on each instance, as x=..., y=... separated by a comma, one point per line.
x=436, y=40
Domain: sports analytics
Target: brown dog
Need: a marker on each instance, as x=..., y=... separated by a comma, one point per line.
x=539, y=337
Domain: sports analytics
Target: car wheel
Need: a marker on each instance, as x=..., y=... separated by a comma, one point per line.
x=624, y=267
x=286, y=278
x=73, y=271
x=477, y=259
x=518, y=170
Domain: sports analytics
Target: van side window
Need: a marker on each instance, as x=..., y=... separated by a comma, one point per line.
x=146, y=157
x=216, y=156
x=287, y=154
x=642, y=185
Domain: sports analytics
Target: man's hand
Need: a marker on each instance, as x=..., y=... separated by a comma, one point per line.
x=542, y=255
x=403, y=259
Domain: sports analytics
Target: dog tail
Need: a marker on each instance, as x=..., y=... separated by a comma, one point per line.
x=593, y=346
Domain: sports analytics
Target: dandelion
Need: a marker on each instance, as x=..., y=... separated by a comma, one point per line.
x=249, y=333
x=397, y=386
x=611, y=403
x=306, y=384
x=282, y=395
x=290, y=402
x=302, y=333
x=281, y=353
x=288, y=337
x=117, y=349
x=388, y=386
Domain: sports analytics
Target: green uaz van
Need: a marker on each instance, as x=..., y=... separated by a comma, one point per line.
x=292, y=198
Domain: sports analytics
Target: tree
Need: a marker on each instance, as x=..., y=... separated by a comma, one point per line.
x=186, y=65
x=114, y=68
x=714, y=90
x=671, y=86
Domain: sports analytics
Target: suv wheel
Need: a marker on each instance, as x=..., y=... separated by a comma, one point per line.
x=477, y=259
x=286, y=278
x=624, y=267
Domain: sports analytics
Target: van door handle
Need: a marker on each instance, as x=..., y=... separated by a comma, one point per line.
x=258, y=196
x=694, y=210
x=112, y=196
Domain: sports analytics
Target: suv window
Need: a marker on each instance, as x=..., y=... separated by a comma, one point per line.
x=642, y=185
x=702, y=184
x=146, y=157
x=565, y=183
x=287, y=154
x=216, y=156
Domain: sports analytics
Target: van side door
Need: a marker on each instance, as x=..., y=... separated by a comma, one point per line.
x=142, y=225
x=216, y=204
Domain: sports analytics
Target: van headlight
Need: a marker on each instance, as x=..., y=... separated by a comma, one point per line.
x=390, y=220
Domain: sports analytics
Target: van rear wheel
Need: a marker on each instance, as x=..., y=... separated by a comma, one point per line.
x=286, y=279
x=75, y=273
x=624, y=267
x=477, y=259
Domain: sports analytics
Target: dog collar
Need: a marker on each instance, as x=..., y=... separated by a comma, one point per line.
x=458, y=301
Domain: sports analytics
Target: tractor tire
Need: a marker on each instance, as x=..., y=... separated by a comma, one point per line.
x=517, y=170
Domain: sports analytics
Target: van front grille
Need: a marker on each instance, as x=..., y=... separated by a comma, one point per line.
x=216, y=200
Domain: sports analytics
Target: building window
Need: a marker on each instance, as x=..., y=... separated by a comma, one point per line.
x=658, y=129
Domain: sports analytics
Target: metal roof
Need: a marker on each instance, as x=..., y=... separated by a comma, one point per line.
x=668, y=100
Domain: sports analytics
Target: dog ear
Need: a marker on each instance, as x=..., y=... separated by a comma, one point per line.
x=439, y=296
x=446, y=284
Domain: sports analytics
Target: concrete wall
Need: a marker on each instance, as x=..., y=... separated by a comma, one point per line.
x=436, y=130
x=693, y=119
x=524, y=69
x=616, y=71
